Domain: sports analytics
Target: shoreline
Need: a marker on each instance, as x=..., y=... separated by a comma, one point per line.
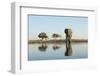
x=56, y=41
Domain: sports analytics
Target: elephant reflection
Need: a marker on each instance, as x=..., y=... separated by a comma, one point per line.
x=68, y=50
x=43, y=47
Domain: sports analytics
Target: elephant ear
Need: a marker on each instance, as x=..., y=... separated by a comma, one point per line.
x=70, y=32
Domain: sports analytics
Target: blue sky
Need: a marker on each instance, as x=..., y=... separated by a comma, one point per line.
x=57, y=24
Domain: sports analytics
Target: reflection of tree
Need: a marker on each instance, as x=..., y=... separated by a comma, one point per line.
x=43, y=47
x=56, y=47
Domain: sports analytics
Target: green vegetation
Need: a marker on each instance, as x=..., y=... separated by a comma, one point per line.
x=44, y=38
x=55, y=36
x=42, y=35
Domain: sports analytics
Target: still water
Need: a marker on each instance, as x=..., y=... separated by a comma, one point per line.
x=51, y=51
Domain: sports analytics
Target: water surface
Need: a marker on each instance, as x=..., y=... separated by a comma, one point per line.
x=49, y=51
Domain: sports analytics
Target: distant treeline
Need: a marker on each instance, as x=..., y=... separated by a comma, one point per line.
x=56, y=41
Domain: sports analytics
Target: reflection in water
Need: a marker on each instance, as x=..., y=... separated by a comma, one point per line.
x=43, y=47
x=55, y=47
x=68, y=51
x=43, y=52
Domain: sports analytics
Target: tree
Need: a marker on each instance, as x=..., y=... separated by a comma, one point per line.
x=56, y=36
x=42, y=35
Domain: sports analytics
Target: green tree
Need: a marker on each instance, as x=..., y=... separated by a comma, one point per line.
x=55, y=36
x=42, y=35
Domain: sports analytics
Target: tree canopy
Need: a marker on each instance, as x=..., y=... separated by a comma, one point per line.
x=42, y=35
x=56, y=35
